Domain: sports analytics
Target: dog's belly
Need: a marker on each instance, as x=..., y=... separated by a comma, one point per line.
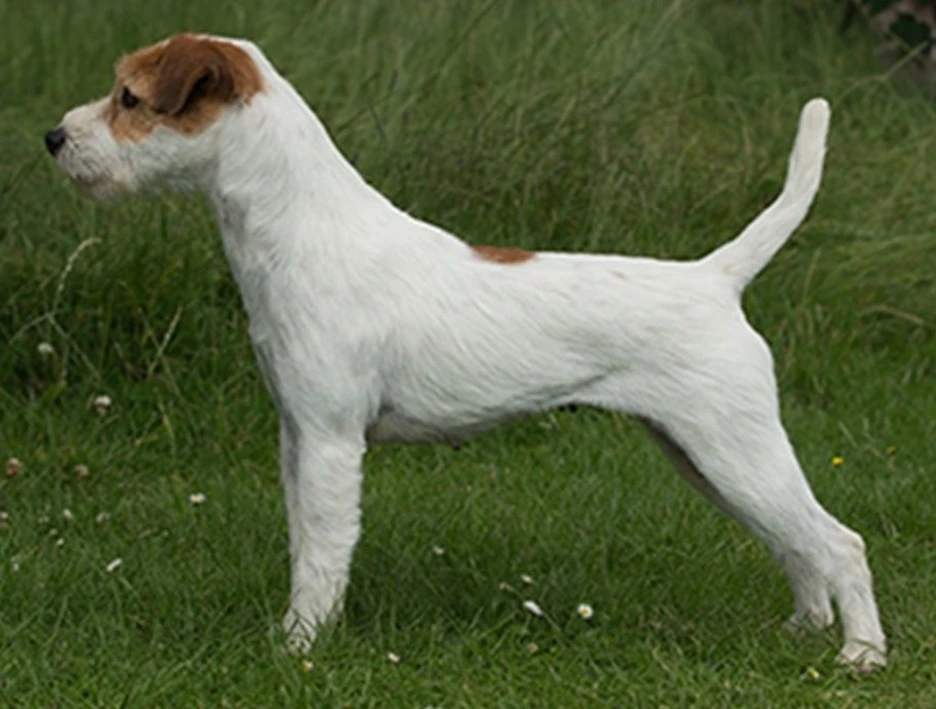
x=392, y=426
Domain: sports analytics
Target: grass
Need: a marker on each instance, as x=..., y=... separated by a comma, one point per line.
x=644, y=127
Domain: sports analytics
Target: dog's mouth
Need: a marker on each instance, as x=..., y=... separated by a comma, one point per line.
x=90, y=183
x=101, y=189
x=87, y=181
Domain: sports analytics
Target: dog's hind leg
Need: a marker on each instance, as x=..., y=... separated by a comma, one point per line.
x=718, y=421
x=813, y=603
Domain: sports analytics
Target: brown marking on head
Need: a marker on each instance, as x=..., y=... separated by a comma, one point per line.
x=182, y=83
x=502, y=254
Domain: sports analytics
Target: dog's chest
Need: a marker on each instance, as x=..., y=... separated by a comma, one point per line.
x=293, y=338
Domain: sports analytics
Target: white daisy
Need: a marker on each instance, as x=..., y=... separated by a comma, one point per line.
x=13, y=467
x=102, y=403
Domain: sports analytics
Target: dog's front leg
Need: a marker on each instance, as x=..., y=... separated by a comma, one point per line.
x=321, y=476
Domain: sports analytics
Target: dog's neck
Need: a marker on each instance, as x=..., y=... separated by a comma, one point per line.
x=281, y=185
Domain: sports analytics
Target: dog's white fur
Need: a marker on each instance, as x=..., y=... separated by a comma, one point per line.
x=370, y=326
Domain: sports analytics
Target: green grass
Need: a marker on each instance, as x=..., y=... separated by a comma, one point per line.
x=645, y=127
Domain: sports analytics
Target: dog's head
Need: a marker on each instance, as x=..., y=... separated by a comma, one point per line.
x=159, y=126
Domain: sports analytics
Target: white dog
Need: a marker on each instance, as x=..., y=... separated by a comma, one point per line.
x=370, y=325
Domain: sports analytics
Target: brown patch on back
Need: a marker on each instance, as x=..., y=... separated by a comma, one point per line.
x=502, y=254
x=182, y=84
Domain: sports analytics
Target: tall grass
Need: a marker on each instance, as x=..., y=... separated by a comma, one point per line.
x=654, y=128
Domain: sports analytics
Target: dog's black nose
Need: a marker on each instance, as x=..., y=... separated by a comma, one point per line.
x=54, y=140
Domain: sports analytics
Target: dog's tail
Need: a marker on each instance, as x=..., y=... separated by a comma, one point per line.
x=743, y=258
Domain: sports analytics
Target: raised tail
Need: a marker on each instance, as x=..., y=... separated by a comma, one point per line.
x=743, y=258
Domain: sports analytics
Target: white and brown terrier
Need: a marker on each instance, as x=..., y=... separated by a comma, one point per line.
x=370, y=325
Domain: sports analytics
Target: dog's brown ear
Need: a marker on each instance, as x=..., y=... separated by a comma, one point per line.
x=188, y=70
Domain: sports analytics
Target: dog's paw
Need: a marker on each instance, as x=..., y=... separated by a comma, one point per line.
x=809, y=622
x=300, y=632
x=863, y=657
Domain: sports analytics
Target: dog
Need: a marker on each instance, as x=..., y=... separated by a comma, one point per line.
x=372, y=326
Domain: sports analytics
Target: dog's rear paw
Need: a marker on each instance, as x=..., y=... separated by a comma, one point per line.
x=863, y=657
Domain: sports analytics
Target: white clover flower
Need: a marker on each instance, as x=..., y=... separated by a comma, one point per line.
x=114, y=565
x=81, y=471
x=102, y=403
x=101, y=517
x=68, y=515
x=45, y=349
x=197, y=498
x=60, y=542
x=13, y=467
x=393, y=658
x=4, y=519
x=585, y=611
x=15, y=565
x=438, y=551
x=527, y=579
x=533, y=608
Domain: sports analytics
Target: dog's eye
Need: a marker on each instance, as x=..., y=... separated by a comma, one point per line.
x=128, y=99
